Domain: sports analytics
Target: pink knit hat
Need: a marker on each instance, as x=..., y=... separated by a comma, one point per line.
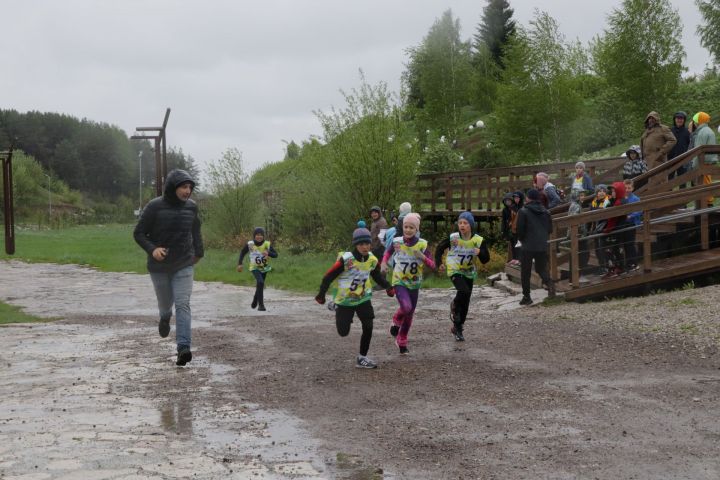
x=412, y=219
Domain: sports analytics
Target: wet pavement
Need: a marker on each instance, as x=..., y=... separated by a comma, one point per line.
x=76, y=402
x=557, y=391
x=64, y=414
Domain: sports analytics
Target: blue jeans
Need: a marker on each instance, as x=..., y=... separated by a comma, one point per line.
x=175, y=288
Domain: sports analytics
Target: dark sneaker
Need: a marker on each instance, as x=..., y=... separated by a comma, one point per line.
x=404, y=350
x=164, y=327
x=261, y=307
x=254, y=303
x=394, y=330
x=184, y=355
x=364, y=362
x=526, y=301
x=459, y=336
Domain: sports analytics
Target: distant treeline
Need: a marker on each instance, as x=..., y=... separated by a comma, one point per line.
x=97, y=159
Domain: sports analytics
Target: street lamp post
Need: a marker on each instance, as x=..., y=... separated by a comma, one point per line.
x=140, y=153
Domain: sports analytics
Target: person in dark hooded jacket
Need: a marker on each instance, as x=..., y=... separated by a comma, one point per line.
x=507, y=216
x=534, y=225
x=683, y=137
x=169, y=231
x=510, y=224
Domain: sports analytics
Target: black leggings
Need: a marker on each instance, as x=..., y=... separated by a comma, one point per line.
x=259, y=286
x=464, y=286
x=344, y=318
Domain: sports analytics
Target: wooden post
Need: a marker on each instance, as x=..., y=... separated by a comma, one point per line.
x=433, y=194
x=647, y=249
x=448, y=194
x=158, y=169
x=552, y=255
x=704, y=232
x=574, y=257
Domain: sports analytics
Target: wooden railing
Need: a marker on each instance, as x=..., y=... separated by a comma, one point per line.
x=654, y=209
x=481, y=191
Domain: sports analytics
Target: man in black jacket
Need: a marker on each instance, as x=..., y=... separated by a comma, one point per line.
x=534, y=225
x=169, y=231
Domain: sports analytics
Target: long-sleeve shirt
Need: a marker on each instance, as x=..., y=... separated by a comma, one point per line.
x=339, y=267
x=444, y=244
x=428, y=257
x=246, y=249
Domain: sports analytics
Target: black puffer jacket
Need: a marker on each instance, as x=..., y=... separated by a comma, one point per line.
x=534, y=225
x=170, y=223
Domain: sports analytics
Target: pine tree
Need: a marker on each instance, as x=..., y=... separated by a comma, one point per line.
x=494, y=30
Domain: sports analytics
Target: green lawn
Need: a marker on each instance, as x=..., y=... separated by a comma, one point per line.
x=11, y=314
x=111, y=248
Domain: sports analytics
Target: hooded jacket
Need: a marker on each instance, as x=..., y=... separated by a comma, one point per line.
x=704, y=135
x=619, y=193
x=507, y=212
x=656, y=142
x=633, y=168
x=681, y=134
x=375, y=227
x=171, y=223
x=534, y=225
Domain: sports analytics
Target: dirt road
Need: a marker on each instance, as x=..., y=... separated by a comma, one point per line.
x=612, y=390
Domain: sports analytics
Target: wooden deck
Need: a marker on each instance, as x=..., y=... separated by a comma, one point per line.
x=677, y=222
x=665, y=270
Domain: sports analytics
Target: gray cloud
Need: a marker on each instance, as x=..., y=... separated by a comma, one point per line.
x=236, y=73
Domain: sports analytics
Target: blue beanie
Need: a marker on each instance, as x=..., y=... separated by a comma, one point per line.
x=468, y=217
x=361, y=235
x=361, y=224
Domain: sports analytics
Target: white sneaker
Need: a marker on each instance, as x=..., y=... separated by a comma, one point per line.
x=364, y=362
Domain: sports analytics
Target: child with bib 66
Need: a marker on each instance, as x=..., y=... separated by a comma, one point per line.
x=261, y=251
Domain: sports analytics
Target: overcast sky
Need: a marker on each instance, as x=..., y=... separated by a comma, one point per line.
x=236, y=73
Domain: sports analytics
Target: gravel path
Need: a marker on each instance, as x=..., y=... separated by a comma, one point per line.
x=615, y=389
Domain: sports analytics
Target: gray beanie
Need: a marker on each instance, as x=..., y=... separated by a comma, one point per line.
x=361, y=235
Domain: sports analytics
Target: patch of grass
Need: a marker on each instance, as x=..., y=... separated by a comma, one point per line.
x=689, y=328
x=549, y=302
x=686, y=302
x=111, y=248
x=12, y=314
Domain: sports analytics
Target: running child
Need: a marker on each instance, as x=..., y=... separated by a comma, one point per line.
x=410, y=253
x=463, y=248
x=354, y=291
x=261, y=251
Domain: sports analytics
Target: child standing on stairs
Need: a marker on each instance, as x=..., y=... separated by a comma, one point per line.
x=463, y=248
x=261, y=251
x=410, y=254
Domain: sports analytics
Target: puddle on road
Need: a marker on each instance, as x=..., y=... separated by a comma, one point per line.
x=64, y=381
x=64, y=396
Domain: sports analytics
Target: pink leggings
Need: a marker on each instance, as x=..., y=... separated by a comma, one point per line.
x=403, y=318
